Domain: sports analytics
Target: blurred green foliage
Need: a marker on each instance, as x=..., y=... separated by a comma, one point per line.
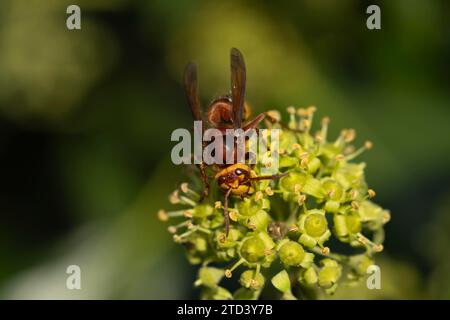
x=86, y=117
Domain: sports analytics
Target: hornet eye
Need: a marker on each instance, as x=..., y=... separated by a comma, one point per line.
x=238, y=172
x=221, y=180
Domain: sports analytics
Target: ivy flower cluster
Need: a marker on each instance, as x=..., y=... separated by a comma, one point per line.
x=303, y=234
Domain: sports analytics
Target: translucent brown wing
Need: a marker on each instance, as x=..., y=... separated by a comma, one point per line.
x=238, y=77
x=191, y=88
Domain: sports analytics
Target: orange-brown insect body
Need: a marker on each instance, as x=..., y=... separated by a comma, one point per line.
x=225, y=112
x=220, y=112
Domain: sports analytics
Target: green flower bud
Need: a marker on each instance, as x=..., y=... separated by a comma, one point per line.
x=307, y=241
x=360, y=263
x=332, y=206
x=259, y=221
x=231, y=252
x=313, y=187
x=301, y=182
x=197, y=244
x=197, y=248
x=246, y=294
x=340, y=226
x=321, y=179
x=270, y=257
x=203, y=211
x=194, y=259
x=314, y=228
x=372, y=213
x=227, y=242
x=314, y=165
x=353, y=223
x=350, y=175
x=253, y=249
x=281, y=282
x=286, y=162
x=222, y=294
x=316, y=224
x=250, y=279
x=209, y=277
x=288, y=183
x=346, y=225
x=333, y=189
x=329, y=274
x=216, y=221
x=306, y=140
x=200, y=244
x=309, y=276
x=268, y=241
x=218, y=293
x=330, y=151
x=292, y=254
x=307, y=260
x=250, y=206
